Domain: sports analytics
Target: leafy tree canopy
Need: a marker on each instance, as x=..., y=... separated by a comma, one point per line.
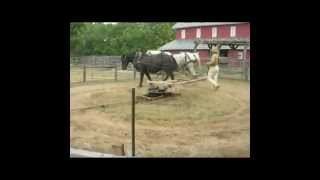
x=117, y=39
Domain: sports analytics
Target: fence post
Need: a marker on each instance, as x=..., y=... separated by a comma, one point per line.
x=133, y=122
x=247, y=69
x=84, y=72
x=245, y=62
x=244, y=70
x=115, y=72
x=248, y=73
x=134, y=73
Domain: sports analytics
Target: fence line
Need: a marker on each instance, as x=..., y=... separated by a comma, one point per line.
x=85, y=73
x=96, y=60
x=229, y=68
x=232, y=67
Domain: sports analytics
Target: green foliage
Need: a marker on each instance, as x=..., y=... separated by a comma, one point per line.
x=107, y=39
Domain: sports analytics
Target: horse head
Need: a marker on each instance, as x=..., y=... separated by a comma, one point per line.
x=191, y=59
x=125, y=59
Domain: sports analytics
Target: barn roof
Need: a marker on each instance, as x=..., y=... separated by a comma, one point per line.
x=188, y=45
x=199, y=24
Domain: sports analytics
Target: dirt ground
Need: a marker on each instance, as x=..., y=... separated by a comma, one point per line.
x=199, y=123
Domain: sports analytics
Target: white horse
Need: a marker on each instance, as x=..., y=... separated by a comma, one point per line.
x=185, y=60
x=151, y=52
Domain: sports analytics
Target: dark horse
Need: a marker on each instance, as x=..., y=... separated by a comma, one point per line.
x=146, y=64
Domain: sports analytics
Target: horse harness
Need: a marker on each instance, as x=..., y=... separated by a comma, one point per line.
x=185, y=60
x=139, y=57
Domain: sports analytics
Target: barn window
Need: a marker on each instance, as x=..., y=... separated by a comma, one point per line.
x=232, y=31
x=214, y=32
x=223, y=53
x=198, y=33
x=183, y=34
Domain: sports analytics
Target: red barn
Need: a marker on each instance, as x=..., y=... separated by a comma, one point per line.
x=186, y=33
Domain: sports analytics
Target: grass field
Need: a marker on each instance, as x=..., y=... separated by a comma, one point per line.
x=199, y=123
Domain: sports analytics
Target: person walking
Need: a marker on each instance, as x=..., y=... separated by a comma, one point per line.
x=214, y=68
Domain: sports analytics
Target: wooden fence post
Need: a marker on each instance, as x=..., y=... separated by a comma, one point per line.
x=248, y=73
x=116, y=72
x=122, y=150
x=243, y=69
x=245, y=62
x=134, y=73
x=84, y=72
x=133, y=122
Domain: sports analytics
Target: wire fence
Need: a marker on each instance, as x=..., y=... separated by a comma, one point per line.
x=99, y=68
x=108, y=68
x=229, y=68
x=85, y=73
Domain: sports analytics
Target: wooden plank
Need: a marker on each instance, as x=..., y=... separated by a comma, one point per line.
x=169, y=82
x=175, y=82
x=90, y=154
x=191, y=81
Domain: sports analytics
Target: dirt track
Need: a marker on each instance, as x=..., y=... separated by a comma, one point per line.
x=200, y=123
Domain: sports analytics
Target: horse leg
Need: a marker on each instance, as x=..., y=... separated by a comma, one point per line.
x=148, y=76
x=167, y=75
x=172, y=75
x=141, y=78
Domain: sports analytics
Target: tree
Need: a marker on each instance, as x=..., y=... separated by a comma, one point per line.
x=107, y=39
x=76, y=37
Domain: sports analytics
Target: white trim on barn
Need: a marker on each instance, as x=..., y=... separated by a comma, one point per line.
x=198, y=35
x=214, y=32
x=240, y=55
x=202, y=24
x=233, y=31
x=189, y=45
x=183, y=34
